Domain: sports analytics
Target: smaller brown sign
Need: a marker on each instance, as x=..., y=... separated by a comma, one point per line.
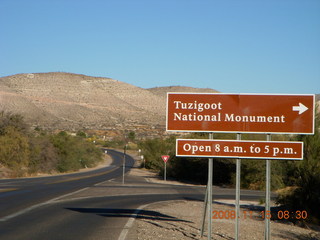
x=239, y=149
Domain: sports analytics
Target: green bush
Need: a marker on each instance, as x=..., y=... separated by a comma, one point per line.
x=81, y=134
x=14, y=121
x=29, y=152
x=74, y=152
x=253, y=174
x=153, y=149
x=14, y=150
x=43, y=155
x=117, y=143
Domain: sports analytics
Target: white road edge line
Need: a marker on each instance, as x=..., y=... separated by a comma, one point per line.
x=130, y=222
x=67, y=195
x=21, y=212
x=6, y=218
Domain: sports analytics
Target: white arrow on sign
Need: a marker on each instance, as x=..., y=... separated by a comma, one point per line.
x=301, y=108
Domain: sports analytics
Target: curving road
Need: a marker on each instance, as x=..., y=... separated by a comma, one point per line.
x=92, y=206
x=20, y=194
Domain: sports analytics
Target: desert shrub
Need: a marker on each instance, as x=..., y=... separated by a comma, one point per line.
x=116, y=143
x=14, y=150
x=153, y=149
x=132, y=136
x=23, y=151
x=74, y=152
x=43, y=155
x=14, y=121
x=81, y=134
x=253, y=174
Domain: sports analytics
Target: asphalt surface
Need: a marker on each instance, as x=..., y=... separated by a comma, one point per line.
x=19, y=194
x=93, y=205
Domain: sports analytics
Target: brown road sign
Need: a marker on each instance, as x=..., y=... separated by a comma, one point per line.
x=254, y=113
x=239, y=149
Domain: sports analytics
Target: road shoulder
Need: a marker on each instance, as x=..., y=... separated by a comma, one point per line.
x=183, y=221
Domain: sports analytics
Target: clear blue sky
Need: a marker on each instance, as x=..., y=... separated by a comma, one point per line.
x=233, y=46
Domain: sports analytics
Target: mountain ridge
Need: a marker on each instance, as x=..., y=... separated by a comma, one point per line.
x=70, y=101
x=59, y=100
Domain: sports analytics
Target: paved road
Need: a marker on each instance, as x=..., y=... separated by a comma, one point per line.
x=99, y=209
x=19, y=194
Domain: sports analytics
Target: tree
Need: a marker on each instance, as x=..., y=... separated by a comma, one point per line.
x=132, y=136
x=81, y=134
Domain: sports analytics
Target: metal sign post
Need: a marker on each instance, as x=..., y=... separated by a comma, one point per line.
x=210, y=169
x=267, y=213
x=238, y=179
x=210, y=178
x=165, y=158
x=208, y=199
x=165, y=171
x=204, y=211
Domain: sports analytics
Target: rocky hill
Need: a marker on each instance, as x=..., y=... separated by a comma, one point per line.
x=69, y=101
x=162, y=91
x=66, y=101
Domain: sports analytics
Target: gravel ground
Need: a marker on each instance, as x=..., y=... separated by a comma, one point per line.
x=182, y=220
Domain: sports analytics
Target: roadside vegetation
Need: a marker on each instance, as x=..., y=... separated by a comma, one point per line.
x=24, y=152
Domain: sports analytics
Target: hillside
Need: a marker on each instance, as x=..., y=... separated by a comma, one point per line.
x=162, y=91
x=72, y=101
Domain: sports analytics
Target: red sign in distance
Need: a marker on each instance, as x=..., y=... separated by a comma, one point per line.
x=240, y=113
x=239, y=149
x=165, y=158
